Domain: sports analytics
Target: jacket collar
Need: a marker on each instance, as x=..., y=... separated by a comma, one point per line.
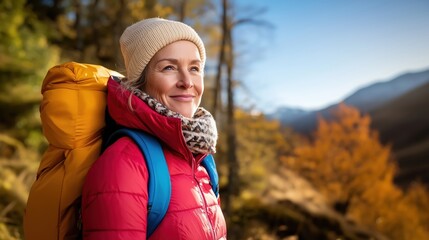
x=167, y=129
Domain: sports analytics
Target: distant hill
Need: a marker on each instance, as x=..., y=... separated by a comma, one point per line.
x=377, y=94
x=365, y=99
x=404, y=123
x=288, y=114
x=400, y=112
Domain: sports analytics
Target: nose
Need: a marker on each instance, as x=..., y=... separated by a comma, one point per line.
x=185, y=80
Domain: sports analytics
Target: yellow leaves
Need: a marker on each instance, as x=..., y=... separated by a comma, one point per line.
x=136, y=9
x=12, y=187
x=260, y=143
x=23, y=44
x=348, y=164
x=348, y=126
x=386, y=209
x=65, y=26
x=4, y=233
x=11, y=18
x=18, y=166
x=344, y=152
x=417, y=195
x=162, y=11
x=140, y=9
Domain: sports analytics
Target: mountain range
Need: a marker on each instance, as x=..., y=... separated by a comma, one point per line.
x=399, y=109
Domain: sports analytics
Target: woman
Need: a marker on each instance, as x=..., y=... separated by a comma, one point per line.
x=161, y=95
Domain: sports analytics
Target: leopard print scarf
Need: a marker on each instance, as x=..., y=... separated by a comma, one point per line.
x=199, y=132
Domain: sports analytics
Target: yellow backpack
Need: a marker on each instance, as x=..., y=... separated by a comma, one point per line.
x=72, y=113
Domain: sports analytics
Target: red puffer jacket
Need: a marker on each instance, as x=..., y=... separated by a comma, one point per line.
x=115, y=194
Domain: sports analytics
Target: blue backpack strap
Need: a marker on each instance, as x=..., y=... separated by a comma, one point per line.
x=159, y=186
x=209, y=164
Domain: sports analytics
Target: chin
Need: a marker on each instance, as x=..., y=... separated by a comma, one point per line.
x=188, y=115
x=185, y=113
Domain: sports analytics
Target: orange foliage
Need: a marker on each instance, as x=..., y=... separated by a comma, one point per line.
x=345, y=159
x=348, y=164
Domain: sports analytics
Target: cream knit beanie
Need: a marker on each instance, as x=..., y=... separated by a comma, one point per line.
x=142, y=40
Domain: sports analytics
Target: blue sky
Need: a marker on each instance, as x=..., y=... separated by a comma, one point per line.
x=320, y=51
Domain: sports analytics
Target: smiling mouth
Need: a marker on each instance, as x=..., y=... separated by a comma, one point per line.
x=183, y=98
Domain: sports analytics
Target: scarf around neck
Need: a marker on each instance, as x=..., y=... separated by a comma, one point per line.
x=199, y=132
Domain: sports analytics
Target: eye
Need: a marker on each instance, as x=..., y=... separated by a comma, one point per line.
x=168, y=67
x=195, y=69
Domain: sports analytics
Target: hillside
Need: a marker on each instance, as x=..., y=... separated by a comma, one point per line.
x=375, y=95
x=404, y=123
x=365, y=99
x=399, y=109
x=288, y=114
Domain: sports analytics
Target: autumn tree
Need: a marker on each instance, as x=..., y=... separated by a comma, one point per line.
x=347, y=163
x=260, y=142
x=224, y=91
x=397, y=214
x=25, y=56
x=345, y=159
x=417, y=195
x=89, y=31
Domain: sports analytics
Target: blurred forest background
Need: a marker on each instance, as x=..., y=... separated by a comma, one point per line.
x=337, y=182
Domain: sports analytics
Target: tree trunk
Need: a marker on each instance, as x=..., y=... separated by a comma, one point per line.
x=118, y=28
x=221, y=61
x=182, y=10
x=79, y=41
x=233, y=166
x=233, y=187
x=150, y=8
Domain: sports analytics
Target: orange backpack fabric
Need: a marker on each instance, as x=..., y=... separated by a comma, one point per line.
x=72, y=113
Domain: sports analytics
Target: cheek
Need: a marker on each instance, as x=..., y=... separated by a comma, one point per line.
x=199, y=86
x=156, y=86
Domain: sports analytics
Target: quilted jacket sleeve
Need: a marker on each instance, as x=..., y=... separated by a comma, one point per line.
x=114, y=198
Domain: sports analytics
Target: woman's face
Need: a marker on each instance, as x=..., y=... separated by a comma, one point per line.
x=175, y=77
